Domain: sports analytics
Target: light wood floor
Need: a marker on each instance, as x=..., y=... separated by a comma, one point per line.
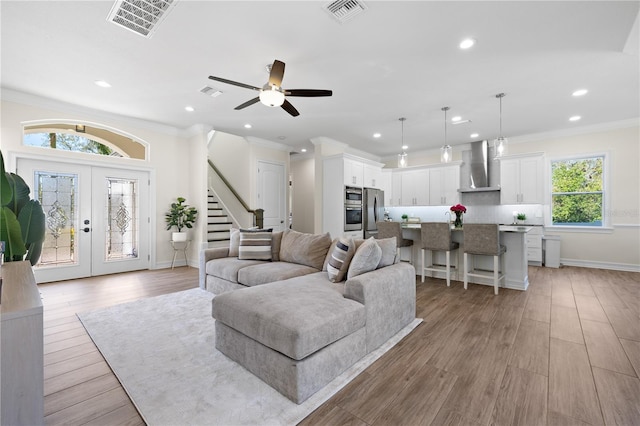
x=565, y=352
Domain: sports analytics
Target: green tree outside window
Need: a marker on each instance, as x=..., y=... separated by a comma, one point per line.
x=577, y=192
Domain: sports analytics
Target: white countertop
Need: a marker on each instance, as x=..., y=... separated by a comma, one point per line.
x=503, y=228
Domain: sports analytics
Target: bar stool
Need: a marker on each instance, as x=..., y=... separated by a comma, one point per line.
x=436, y=236
x=393, y=229
x=483, y=239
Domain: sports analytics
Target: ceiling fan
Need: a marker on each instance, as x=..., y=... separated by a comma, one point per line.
x=272, y=94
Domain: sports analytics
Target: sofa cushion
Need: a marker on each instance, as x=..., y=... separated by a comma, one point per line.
x=255, y=244
x=234, y=242
x=295, y=317
x=276, y=242
x=366, y=258
x=340, y=258
x=304, y=249
x=272, y=271
x=389, y=251
x=227, y=267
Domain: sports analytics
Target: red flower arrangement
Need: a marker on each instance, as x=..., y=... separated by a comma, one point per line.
x=458, y=208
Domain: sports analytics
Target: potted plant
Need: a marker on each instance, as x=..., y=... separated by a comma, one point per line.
x=181, y=216
x=404, y=217
x=22, y=221
x=521, y=217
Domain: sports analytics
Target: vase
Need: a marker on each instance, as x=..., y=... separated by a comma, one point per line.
x=458, y=222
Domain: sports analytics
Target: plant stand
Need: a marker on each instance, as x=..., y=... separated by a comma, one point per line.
x=178, y=246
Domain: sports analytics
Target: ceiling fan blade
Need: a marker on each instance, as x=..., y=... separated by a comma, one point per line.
x=248, y=103
x=277, y=73
x=235, y=83
x=308, y=93
x=290, y=108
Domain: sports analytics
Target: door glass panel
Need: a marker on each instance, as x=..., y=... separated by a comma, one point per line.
x=57, y=194
x=122, y=212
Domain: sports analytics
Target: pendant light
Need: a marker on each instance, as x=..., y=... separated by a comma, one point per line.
x=445, y=151
x=500, y=144
x=403, y=158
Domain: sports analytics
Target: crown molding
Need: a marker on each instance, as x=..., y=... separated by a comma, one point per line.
x=253, y=140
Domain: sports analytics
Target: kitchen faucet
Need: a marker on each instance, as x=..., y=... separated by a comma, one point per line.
x=448, y=213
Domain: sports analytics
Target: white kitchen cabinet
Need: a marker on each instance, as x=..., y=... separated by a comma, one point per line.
x=443, y=185
x=372, y=176
x=387, y=186
x=353, y=172
x=534, y=246
x=396, y=189
x=415, y=188
x=522, y=180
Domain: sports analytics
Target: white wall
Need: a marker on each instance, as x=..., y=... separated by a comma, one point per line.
x=303, y=196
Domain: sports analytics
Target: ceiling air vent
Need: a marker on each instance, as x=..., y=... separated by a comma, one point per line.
x=344, y=10
x=140, y=16
x=214, y=93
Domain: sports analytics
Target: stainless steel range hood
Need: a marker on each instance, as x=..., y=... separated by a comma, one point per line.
x=480, y=171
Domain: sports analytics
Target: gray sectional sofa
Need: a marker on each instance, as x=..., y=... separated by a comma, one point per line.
x=293, y=321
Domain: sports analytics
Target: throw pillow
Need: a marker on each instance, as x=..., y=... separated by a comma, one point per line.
x=340, y=259
x=389, y=251
x=255, y=244
x=304, y=249
x=366, y=258
x=234, y=242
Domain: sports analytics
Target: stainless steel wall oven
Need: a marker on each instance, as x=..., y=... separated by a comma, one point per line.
x=352, y=208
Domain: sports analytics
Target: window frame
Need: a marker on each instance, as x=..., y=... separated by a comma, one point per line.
x=606, y=193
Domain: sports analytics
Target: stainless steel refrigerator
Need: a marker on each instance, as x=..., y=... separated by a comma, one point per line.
x=372, y=211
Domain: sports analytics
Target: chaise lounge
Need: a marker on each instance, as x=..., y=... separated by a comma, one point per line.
x=295, y=322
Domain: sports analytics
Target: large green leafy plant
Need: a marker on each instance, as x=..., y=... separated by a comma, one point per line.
x=181, y=215
x=22, y=221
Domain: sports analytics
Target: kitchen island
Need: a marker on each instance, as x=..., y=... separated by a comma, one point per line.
x=515, y=258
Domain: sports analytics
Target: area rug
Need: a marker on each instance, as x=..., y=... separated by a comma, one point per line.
x=162, y=349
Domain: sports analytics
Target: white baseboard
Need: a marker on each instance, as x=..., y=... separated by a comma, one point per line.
x=600, y=265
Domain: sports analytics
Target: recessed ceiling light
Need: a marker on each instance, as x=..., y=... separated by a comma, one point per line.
x=580, y=92
x=456, y=118
x=405, y=147
x=247, y=126
x=303, y=150
x=102, y=83
x=467, y=43
x=575, y=118
x=474, y=135
x=189, y=108
x=377, y=135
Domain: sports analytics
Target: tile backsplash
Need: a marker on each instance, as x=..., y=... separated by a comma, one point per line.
x=475, y=213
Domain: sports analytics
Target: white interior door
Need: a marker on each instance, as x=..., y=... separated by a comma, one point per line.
x=271, y=194
x=97, y=219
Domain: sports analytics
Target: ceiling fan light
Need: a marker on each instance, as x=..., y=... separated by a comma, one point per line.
x=271, y=97
x=446, y=154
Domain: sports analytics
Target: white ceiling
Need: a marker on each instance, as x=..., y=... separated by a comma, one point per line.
x=397, y=59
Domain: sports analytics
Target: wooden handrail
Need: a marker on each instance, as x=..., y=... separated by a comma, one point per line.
x=258, y=214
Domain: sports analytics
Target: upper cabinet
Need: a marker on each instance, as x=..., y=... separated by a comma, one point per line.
x=353, y=172
x=429, y=186
x=522, y=179
x=415, y=188
x=372, y=176
x=443, y=185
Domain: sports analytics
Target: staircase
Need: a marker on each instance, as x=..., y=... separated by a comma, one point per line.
x=218, y=223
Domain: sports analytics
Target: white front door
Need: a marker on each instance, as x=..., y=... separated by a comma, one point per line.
x=271, y=194
x=97, y=218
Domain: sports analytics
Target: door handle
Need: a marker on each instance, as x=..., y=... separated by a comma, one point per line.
x=87, y=229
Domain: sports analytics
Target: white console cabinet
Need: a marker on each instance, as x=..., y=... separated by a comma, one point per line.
x=22, y=347
x=521, y=179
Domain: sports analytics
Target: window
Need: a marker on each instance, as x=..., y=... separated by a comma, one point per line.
x=86, y=138
x=577, y=191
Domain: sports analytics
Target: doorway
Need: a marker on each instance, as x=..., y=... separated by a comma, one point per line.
x=96, y=218
x=272, y=194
